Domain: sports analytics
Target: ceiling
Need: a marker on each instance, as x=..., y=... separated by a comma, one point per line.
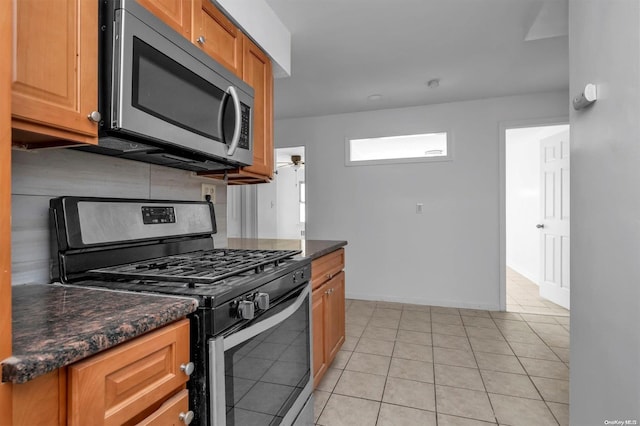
x=344, y=51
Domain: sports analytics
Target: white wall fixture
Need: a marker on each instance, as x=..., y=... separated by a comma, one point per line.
x=586, y=98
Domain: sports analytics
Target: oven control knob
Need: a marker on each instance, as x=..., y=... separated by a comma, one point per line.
x=246, y=309
x=262, y=301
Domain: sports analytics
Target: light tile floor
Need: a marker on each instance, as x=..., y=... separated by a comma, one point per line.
x=523, y=296
x=413, y=365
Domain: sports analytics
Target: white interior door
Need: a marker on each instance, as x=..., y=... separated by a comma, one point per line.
x=554, y=226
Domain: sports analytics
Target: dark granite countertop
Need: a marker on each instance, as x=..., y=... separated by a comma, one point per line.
x=55, y=325
x=310, y=248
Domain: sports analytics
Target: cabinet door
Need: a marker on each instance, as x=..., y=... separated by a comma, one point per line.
x=317, y=309
x=175, y=13
x=55, y=74
x=129, y=381
x=217, y=36
x=326, y=267
x=335, y=316
x=41, y=401
x=169, y=414
x=258, y=74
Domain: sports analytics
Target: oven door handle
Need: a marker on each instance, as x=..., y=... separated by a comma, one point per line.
x=252, y=331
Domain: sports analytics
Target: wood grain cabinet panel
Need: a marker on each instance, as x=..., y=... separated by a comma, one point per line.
x=41, y=401
x=328, y=311
x=335, y=315
x=175, y=13
x=325, y=267
x=6, y=25
x=55, y=75
x=258, y=73
x=217, y=36
x=169, y=414
x=318, y=309
x=129, y=381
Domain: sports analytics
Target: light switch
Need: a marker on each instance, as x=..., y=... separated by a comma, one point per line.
x=419, y=207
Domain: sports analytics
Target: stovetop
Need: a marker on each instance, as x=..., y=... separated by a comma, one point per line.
x=212, y=276
x=200, y=268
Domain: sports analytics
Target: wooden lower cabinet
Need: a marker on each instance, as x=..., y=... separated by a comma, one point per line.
x=171, y=413
x=41, y=401
x=328, y=312
x=318, y=315
x=127, y=383
x=137, y=382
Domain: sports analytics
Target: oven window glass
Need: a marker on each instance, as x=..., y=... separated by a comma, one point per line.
x=265, y=375
x=169, y=91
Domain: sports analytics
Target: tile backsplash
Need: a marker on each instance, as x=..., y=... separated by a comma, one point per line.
x=38, y=176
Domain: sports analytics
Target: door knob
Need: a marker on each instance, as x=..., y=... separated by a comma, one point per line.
x=539, y=226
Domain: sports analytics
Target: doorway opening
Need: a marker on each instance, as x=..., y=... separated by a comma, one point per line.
x=271, y=210
x=536, y=213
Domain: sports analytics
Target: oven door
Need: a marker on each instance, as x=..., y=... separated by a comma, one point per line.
x=261, y=374
x=166, y=91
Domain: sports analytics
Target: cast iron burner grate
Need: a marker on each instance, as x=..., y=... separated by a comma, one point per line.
x=202, y=267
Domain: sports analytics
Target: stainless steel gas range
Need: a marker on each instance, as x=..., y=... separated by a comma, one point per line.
x=251, y=335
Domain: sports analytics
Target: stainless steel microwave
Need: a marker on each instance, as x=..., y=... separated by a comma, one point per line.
x=163, y=100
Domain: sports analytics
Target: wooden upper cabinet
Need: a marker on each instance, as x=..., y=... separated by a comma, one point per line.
x=55, y=74
x=175, y=13
x=257, y=72
x=217, y=35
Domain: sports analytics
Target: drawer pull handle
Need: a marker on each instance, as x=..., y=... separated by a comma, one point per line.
x=186, y=418
x=201, y=40
x=329, y=276
x=187, y=368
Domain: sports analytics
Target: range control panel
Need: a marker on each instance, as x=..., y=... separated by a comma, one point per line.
x=153, y=215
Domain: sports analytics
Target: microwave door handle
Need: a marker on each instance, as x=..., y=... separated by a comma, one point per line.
x=236, y=131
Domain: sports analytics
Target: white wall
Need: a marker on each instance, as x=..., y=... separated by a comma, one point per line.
x=604, y=47
x=38, y=176
x=522, y=197
x=268, y=208
x=449, y=255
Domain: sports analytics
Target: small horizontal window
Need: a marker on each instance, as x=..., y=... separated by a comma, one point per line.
x=398, y=149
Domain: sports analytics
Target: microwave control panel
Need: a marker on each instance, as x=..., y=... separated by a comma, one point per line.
x=244, y=126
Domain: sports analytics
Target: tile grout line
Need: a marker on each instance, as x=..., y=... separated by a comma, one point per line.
x=525, y=370
x=473, y=352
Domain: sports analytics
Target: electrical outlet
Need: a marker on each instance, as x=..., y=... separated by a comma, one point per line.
x=209, y=189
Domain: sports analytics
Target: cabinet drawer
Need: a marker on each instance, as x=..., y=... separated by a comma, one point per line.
x=325, y=267
x=169, y=413
x=118, y=385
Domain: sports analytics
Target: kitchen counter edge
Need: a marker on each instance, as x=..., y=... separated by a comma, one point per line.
x=55, y=325
x=312, y=249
